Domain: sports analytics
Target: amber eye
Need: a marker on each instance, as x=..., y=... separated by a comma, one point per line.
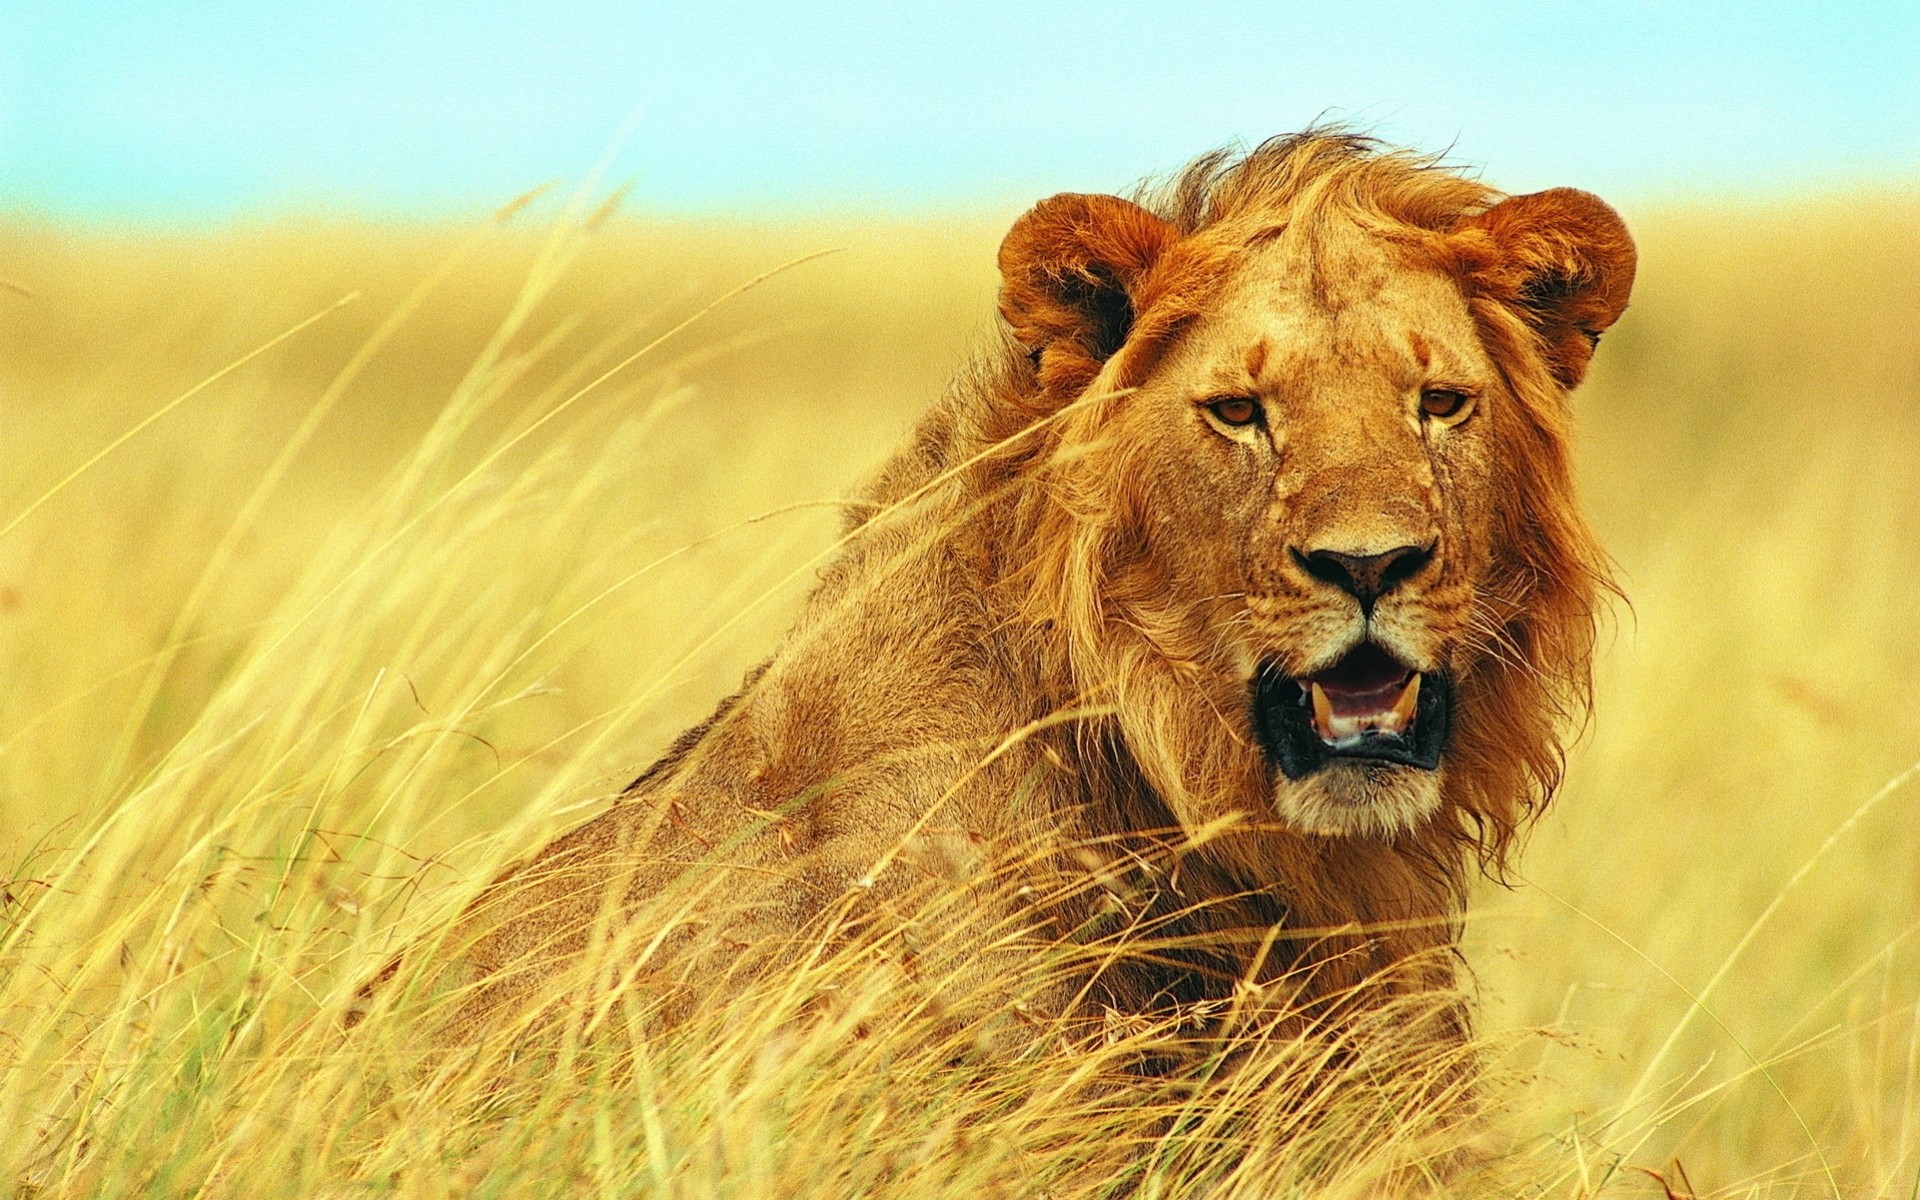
x=1235, y=410
x=1442, y=402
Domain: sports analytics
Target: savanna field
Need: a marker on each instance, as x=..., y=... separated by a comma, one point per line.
x=342, y=564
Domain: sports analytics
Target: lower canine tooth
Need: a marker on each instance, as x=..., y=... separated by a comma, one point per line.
x=1322, y=711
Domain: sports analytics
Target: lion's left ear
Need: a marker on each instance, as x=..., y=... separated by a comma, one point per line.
x=1073, y=272
x=1563, y=258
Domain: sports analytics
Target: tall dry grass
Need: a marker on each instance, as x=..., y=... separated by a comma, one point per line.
x=294, y=667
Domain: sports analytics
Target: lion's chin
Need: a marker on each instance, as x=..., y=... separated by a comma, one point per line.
x=1359, y=799
x=1355, y=748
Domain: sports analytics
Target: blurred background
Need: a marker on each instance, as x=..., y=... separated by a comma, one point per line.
x=155, y=111
x=567, y=552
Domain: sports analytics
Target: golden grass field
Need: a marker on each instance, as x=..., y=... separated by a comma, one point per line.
x=303, y=638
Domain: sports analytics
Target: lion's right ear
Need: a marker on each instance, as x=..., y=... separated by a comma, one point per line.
x=1072, y=273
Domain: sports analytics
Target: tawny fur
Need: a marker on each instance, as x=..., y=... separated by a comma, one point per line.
x=1040, y=629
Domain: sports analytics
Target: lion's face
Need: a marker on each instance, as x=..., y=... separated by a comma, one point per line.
x=1313, y=458
x=1317, y=453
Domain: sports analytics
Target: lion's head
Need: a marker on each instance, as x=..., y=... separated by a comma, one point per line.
x=1304, y=510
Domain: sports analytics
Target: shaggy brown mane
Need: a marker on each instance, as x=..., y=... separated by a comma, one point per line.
x=1535, y=620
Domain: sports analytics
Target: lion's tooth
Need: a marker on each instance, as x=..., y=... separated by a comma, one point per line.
x=1322, y=711
x=1403, y=707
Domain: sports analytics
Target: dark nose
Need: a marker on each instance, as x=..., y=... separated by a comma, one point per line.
x=1366, y=577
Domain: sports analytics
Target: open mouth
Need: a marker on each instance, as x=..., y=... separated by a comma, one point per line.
x=1369, y=705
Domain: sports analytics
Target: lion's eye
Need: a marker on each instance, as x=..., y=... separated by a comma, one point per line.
x=1442, y=402
x=1235, y=410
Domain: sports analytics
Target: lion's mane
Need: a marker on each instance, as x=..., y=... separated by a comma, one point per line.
x=1040, y=491
x=997, y=652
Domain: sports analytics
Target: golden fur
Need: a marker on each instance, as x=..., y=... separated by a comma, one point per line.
x=1041, y=627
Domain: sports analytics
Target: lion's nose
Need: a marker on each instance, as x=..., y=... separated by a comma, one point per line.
x=1366, y=577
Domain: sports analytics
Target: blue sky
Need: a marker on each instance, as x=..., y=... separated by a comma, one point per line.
x=201, y=109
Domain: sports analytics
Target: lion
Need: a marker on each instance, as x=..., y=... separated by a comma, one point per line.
x=1250, y=542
